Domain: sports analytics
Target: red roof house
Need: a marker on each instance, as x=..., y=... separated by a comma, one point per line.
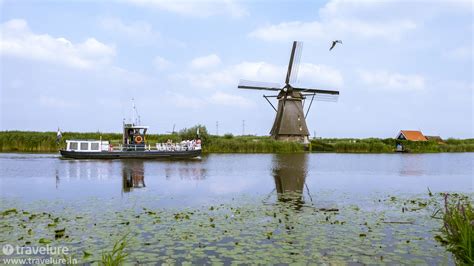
x=413, y=135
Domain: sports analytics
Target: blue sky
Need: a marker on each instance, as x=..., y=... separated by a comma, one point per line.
x=77, y=64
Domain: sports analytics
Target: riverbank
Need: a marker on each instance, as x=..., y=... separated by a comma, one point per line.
x=30, y=141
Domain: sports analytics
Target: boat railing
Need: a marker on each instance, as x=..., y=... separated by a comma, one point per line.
x=183, y=146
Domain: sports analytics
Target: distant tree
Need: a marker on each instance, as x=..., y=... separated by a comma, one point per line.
x=228, y=136
x=192, y=133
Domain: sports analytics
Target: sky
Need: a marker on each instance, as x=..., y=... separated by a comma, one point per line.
x=77, y=64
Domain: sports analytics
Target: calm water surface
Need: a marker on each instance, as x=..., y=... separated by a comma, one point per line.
x=30, y=177
x=236, y=208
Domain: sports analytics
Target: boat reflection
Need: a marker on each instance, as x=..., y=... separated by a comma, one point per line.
x=186, y=170
x=289, y=173
x=133, y=175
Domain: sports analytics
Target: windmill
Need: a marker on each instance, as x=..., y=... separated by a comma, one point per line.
x=290, y=119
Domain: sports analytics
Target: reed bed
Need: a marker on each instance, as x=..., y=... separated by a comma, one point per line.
x=458, y=229
x=31, y=141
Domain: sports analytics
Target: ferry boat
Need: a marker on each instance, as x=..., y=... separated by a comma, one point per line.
x=134, y=146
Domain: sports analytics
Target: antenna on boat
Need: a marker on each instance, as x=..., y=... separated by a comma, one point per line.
x=135, y=116
x=133, y=111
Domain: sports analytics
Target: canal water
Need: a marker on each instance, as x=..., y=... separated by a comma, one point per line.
x=30, y=177
x=362, y=208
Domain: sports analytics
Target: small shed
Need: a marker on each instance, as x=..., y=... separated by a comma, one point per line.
x=438, y=139
x=413, y=135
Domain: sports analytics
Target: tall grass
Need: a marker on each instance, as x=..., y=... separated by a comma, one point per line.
x=117, y=255
x=249, y=144
x=458, y=230
x=373, y=145
x=30, y=141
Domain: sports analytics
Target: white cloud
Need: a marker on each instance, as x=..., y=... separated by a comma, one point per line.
x=185, y=101
x=221, y=98
x=321, y=75
x=340, y=18
x=140, y=31
x=314, y=30
x=54, y=102
x=461, y=53
x=160, y=63
x=392, y=81
x=18, y=40
x=207, y=61
x=216, y=98
x=202, y=8
x=229, y=76
x=295, y=30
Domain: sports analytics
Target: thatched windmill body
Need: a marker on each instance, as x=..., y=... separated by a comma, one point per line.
x=290, y=119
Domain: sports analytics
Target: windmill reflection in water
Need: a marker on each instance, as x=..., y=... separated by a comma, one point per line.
x=289, y=174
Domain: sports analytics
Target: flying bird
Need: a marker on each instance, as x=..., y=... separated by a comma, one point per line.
x=334, y=44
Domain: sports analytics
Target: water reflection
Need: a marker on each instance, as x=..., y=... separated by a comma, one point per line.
x=289, y=173
x=133, y=175
x=186, y=171
x=411, y=165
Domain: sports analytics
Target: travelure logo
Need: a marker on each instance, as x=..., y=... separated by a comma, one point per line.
x=43, y=250
x=8, y=249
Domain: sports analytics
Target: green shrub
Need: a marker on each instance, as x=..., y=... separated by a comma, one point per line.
x=458, y=230
x=29, y=141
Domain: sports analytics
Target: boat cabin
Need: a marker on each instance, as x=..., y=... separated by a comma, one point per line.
x=134, y=137
x=87, y=145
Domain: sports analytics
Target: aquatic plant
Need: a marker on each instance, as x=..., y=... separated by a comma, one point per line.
x=458, y=229
x=117, y=255
x=238, y=231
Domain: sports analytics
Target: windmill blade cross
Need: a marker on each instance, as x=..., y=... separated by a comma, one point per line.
x=318, y=91
x=326, y=97
x=296, y=63
x=293, y=65
x=258, y=85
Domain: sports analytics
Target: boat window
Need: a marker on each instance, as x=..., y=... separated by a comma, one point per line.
x=95, y=146
x=84, y=146
x=73, y=146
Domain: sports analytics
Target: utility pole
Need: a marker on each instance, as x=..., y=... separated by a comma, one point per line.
x=243, y=127
x=217, y=128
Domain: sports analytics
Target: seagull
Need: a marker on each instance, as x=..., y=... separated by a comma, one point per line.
x=334, y=44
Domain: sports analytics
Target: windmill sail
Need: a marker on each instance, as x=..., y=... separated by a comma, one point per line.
x=296, y=63
x=293, y=65
x=258, y=85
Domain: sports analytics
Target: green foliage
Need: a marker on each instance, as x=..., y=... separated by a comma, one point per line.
x=458, y=230
x=191, y=133
x=249, y=144
x=30, y=141
x=371, y=145
x=228, y=136
x=116, y=256
x=374, y=145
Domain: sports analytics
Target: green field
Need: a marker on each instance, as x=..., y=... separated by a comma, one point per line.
x=30, y=141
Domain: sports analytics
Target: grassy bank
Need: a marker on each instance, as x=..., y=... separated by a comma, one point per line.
x=374, y=145
x=458, y=228
x=29, y=141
